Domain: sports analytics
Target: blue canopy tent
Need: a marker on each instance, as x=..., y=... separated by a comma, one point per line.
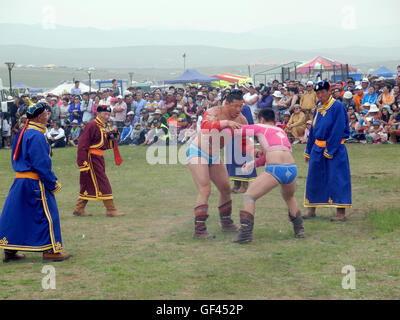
x=191, y=76
x=384, y=72
x=21, y=85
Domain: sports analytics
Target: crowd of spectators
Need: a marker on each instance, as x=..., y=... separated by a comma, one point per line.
x=174, y=115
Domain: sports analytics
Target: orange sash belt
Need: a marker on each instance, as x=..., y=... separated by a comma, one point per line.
x=97, y=152
x=27, y=175
x=322, y=144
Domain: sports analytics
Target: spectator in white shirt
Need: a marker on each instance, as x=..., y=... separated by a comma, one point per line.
x=251, y=99
x=56, y=136
x=76, y=90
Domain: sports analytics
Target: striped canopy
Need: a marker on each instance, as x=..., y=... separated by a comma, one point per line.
x=321, y=63
x=227, y=79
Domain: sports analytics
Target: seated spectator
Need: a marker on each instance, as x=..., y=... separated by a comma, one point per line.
x=286, y=118
x=151, y=104
x=137, y=135
x=304, y=138
x=158, y=115
x=353, y=121
x=266, y=99
x=144, y=120
x=125, y=137
x=376, y=133
x=172, y=123
x=296, y=124
x=336, y=94
x=373, y=113
x=56, y=136
x=74, y=134
x=181, y=113
x=190, y=108
x=348, y=100
x=130, y=116
x=394, y=124
x=386, y=98
x=385, y=117
x=358, y=98
x=158, y=133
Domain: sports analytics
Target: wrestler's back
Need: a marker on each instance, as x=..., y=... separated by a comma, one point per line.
x=274, y=142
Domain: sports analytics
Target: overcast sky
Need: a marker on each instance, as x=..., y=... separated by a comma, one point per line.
x=221, y=15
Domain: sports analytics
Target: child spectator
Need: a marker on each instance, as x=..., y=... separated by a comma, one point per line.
x=125, y=137
x=376, y=133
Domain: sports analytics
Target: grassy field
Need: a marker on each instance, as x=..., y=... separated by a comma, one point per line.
x=151, y=254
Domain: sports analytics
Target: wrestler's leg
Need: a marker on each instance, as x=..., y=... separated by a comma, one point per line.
x=263, y=184
x=287, y=191
x=219, y=176
x=199, y=169
x=198, y=166
x=294, y=213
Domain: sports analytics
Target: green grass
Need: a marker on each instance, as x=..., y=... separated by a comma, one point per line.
x=150, y=253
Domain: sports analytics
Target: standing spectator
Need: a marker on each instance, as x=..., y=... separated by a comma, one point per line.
x=251, y=99
x=129, y=103
x=294, y=98
x=158, y=99
x=276, y=103
x=201, y=101
x=75, y=110
x=6, y=130
x=120, y=113
x=139, y=105
x=170, y=101
x=86, y=108
x=211, y=101
x=76, y=90
x=95, y=104
x=64, y=110
x=56, y=136
x=55, y=110
x=308, y=101
x=115, y=87
x=151, y=104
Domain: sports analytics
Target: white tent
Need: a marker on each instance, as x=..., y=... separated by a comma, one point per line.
x=66, y=88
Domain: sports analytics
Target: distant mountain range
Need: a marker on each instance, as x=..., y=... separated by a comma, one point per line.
x=289, y=36
x=136, y=48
